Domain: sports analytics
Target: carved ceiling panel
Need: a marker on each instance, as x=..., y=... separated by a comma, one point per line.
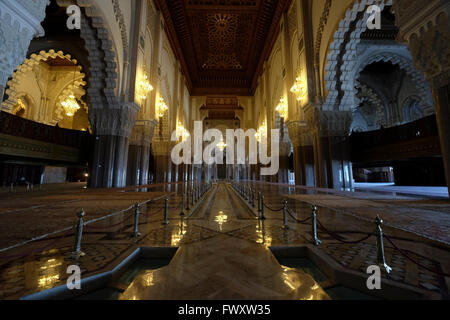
x=222, y=44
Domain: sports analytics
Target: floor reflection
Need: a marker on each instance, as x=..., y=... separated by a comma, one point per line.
x=223, y=266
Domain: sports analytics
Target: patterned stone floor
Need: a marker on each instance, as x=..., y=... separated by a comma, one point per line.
x=225, y=234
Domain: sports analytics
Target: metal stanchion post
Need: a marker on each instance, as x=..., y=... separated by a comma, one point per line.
x=166, y=211
x=77, y=253
x=252, y=191
x=316, y=240
x=259, y=204
x=285, y=215
x=136, y=233
x=380, y=245
x=182, y=205
x=262, y=208
x=187, y=200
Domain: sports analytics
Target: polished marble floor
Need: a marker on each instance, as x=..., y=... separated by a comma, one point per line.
x=224, y=251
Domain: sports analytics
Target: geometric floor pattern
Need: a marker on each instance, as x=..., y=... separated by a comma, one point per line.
x=223, y=253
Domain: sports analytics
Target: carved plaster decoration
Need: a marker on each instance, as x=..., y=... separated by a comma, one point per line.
x=367, y=94
x=335, y=124
x=20, y=22
x=142, y=133
x=102, y=92
x=32, y=65
x=323, y=22
x=123, y=28
x=114, y=122
x=368, y=54
x=342, y=55
x=425, y=26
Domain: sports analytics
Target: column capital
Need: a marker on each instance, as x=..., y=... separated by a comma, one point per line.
x=425, y=26
x=162, y=148
x=114, y=121
x=335, y=123
x=142, y=133
x=328, y=123
x=296, y=131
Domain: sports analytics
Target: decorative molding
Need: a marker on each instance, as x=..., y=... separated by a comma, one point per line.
x=23, y=147
x=142, y=133
x=19, y=22
x=425, y=26
x=122, y=26
x=114, y=122
x=323, y=22
x=30, y=64
x=366, y=55
x=343, y=49
x=101, y=92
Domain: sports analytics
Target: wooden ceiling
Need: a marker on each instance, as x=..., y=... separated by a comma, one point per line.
x=222, y=44
x=222, y=107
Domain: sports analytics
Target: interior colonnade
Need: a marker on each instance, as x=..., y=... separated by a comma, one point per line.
x=311, y=82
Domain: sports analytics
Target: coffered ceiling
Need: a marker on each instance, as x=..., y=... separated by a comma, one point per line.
x=222, y=44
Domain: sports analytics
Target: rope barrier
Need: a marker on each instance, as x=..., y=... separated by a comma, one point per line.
x=271, y=209
x=412, y=260
x=339, y=238
x=296, y=220
x=158, y=210
x=31, y=252
x=108, y=227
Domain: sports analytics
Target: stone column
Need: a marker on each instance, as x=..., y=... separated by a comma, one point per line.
x=20, y=22
x=163, y=162
x=112, y=129
x=283, y=172
x=329, y=131
x=302, y=143
x=334, y=133
x=425, y=27
x=139, y=153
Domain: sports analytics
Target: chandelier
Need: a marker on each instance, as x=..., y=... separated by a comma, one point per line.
x=282, y=108
x=299, y=89
x=221, y=145
x=70, y=106
x=182, y=132
x=261, y=132
x=161, y=108
x=144, y=88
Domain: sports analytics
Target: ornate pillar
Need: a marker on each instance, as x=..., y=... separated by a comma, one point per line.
x=283, y=172
x=329, y=131
x=335, y=126
x=139, y=153
x=20, y=22
x=425, y=27
x=112, y=129
x=163, y=162
x=301, y=139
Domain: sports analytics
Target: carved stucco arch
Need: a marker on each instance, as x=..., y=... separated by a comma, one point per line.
x=103, y=70
x=343, y=50
x=27, y=66
x=393, y=57
x=30, y=103
x=365, y=93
